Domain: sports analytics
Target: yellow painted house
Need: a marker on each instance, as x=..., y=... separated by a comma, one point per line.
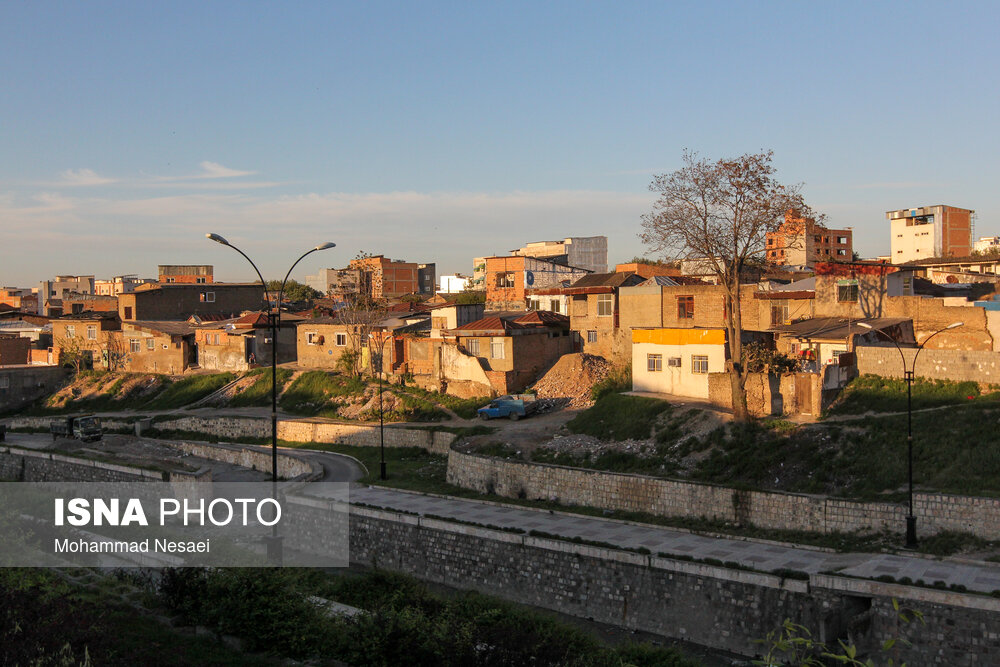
x=677, y=361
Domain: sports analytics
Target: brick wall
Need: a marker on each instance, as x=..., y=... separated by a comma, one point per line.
x=666, y=497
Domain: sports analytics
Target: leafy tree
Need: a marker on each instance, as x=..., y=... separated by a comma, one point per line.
x=720, y=212
x=470, y=296
x=294, y=290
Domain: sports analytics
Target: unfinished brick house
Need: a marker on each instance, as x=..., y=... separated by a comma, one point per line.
x=802, y=241
x=594, y=314
x=383, y=278
x=159, y=302
x=186, y=273
x=74, y=303
x=508, y=279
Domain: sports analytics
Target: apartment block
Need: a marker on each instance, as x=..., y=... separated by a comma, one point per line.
x=585, y=252
x=930, y=231
x=509, y=278
x=119, y=284
x=51, y=292
x=384, y=278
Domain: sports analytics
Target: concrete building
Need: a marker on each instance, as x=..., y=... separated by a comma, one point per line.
x=677, y=361
x=930, y=231
x=338, y=283
x=585, y=252
x=241, y=343
x=186, y=273
x=51, y=292
x=803, y=242
x=120, y=284
x=478, y=281
x=987, y=244
x=427, y=278
x=453, y=284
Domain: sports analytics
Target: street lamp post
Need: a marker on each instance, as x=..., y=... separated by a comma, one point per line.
x=274, y=319
x=911, y=520
x=381, y=420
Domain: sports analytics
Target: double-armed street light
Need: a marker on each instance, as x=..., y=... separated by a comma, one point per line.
x=381, y=419
x=911, y=520
x=274, y=319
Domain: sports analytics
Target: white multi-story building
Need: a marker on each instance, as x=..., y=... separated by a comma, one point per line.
x=986, y=244
x=453, y=284
x=929, y=232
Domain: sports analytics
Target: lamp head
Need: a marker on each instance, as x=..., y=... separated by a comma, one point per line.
x=865, y=325
x=217, y=239
x=954, y=325
x=325, y=246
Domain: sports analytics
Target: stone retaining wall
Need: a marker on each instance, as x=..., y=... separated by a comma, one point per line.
x=673, y=498
x=28, y=465
x=713, y=606
x=361, y=435
x=290, y=466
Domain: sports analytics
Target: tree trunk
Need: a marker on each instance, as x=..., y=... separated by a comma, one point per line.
x=737, y=377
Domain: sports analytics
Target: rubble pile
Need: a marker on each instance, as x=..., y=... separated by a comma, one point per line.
x=572, y=377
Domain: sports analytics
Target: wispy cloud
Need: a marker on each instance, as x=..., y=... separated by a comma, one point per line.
x=216, y=170
x=84, y=177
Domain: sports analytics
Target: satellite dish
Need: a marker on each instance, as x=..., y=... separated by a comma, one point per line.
x=529, y=278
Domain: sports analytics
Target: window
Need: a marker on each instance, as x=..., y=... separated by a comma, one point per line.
x=654, y=363
x=207, y=297
x=591, y=336
x=199, y=280
x=496, y=349
x=134, y=345
x=168, y=280
x=128, y=312
x=312, y=338
x=555, y=306
x=841, y=251
x=685, y=307
x=150, y=344
x=70, y=331
x=779, y=313
x=340, y=339
x=472, y=345
x=604, y=305
x=842, y=240
x=4, y=382
x=91, y=332
x=505, y=280
x=699, y=364
x=847, y=290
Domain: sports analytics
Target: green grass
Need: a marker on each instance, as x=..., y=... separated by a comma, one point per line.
x=259, y=393
x=878, y=394
x=463, y=407
x=188, y=390
x=618, y=417
x=617, y=381
x=311, y=393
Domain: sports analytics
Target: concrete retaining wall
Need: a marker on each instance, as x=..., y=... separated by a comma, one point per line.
x=665, y=497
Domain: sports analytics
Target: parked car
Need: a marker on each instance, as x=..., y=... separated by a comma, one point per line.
x=512, y=406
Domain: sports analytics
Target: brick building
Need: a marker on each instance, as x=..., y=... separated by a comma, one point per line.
x=383, y=278
x=508, y=279
x=186, y=273
x=802, y=241
x=180, y=301
x=91, y=333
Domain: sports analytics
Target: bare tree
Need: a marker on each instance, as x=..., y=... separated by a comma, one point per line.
x=72, y=351
x=721, y=212
x=362, y=316
x=114, y=348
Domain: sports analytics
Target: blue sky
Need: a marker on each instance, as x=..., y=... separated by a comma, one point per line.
x=443, y=131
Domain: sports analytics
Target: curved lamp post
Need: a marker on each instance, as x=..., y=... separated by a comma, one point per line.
x=381, y=421
x=911, y=520
x=274, y=316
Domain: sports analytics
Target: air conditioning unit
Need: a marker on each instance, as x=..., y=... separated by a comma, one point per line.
x=674, y=362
